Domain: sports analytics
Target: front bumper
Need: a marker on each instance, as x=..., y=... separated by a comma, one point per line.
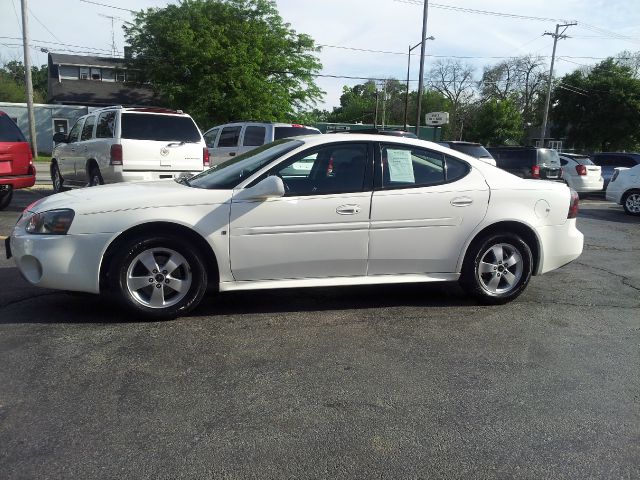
x=560, y=244
x=64, y=262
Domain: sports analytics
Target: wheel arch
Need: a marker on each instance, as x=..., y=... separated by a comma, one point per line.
x=91, y=162
x=525, y=231
x=151, y=228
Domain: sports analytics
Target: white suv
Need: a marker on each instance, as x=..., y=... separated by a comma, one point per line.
x=227, y=141
x=117, y=144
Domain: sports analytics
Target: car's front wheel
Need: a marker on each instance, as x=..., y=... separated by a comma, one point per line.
x=631, y=202
x=497, y=268
x=56, y=179
x=5, y=197
x=160, y=277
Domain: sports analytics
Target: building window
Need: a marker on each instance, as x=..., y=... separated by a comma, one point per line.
x=84, y=73
x=120, y=76
x=95, y=74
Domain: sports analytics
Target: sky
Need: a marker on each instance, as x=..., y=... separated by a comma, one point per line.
x=384, y=25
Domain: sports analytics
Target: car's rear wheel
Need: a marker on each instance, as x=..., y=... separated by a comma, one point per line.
x=497, y=268
x=95, y=178
x=631, y=202
x=5, y=197
x=160, y=277
x=56, y=179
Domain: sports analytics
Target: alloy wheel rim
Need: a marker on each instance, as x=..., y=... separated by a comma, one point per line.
x=633, y=203
x=500, y=269
x=158, y=278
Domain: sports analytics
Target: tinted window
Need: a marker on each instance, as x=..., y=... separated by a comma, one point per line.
x=254, y=136
x=477, y=151
x=229, y=137
x=547, y=156
x=229, y=174
x=9, y=131
x=210, y=137
x=456, y=169
x=627, y=162
x=74, y=135
x=87, y=130
x=284, y=132
x=331, y=169
x=164, y=128
x=563, y=162
x=106, y=125
x=408, y=167
x=516, y=158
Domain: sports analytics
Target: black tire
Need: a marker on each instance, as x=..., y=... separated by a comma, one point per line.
x=490, y=279
x=5, y=197
x=631, y=202
x=56, y=179
x=128, y=275
x=95, y=178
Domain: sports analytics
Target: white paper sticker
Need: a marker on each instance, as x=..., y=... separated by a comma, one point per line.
x=400, y=166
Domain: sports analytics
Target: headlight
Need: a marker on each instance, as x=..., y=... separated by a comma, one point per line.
x=53, y=222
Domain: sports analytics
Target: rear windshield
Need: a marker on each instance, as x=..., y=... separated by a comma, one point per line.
x=163, y=128
x=286, y=132
x=9, y=131
x=477, y=151
x=547, y=156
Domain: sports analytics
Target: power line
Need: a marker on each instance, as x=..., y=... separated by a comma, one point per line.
x=108, y=6
x=43, y=25
x=47, y=42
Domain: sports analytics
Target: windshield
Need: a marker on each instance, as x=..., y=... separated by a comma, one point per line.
x=477, y=151
x=229, y=174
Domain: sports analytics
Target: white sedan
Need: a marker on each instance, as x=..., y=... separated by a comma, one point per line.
x=367, y=210
x=581, y=174
x=624, y=189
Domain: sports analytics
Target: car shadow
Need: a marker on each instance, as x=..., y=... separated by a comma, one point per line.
x=614, y=213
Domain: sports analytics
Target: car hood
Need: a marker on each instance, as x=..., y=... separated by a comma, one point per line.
x=131, y=196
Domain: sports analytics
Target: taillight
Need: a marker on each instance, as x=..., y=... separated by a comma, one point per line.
x=206, y=158
x=615, y=175
x=535, y=171
x=581, y=169
x=31, y=170
x=573, y=204
x=115, y=154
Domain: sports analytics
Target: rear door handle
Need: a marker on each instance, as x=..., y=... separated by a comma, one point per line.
x=461, y=202
x=348, y=210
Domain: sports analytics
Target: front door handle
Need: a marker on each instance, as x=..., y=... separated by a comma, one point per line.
x=348, y=210
x=232, y=154
x=461, y=202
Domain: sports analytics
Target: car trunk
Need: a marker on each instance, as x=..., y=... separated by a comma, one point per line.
x=154, y=142
x=15, y=159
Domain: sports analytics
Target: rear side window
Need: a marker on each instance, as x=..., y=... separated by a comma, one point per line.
x=285, y=132
x=106, y=125
x=581, y=160
x=254, y=136
x=161, y=128
x=229, y=137
x=9, y=131
x=87, y=130
x=627, y=162
x=515, y=158
x=456, y=169
x=210, y=137
x=406, y=167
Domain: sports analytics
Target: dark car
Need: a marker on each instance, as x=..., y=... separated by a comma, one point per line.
x=608, y=162
x=16, y=161
x=470, y=148
x=528, y=162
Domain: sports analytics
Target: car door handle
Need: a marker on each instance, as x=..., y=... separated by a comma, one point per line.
x=461, y=202
x=232, y=154
x=348, y=209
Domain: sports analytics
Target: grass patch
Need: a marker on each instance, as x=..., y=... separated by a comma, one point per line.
x=42, y=158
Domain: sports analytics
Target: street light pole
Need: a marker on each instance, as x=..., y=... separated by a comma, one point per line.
x=406, y=100
x=27, y=76
x=556, y=36
x=425, y=14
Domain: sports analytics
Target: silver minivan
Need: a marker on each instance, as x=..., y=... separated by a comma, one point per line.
x=117, y=144
x=231, y=139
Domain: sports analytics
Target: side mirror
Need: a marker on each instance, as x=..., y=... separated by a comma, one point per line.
x=59, y=137
x=270, y=187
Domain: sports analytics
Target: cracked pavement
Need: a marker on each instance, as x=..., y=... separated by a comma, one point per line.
x=401, y=381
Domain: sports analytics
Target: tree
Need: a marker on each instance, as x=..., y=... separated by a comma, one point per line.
x=225, y=59
x=12, y=80
x=599, y=109
x=497, y=122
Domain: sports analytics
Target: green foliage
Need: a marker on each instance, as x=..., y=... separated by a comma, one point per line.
x=222, y=60
x=496, y=122
x=12, y=83
x=599, y=109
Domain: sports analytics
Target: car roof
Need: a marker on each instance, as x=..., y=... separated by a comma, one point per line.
x=460, y=142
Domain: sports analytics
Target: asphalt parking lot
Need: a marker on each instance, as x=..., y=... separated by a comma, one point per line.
x=360, y=382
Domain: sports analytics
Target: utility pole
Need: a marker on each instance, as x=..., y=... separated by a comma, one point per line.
x=27, y=77
x=556, y=36
x=406, y=100
x=384, y=101
x=421, y=79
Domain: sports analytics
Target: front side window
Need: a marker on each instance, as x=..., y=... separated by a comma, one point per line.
x=254, y=136
x=87, y=130
x=106, y=125
x=74, y=135
x=338, y=168
x=229, y=137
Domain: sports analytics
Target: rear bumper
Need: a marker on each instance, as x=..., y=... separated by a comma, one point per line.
x=151, y=175
x=584, y=184
x=560, y=244
x=19, y=181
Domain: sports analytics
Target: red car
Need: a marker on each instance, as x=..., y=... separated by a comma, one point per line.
x=16, y=162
